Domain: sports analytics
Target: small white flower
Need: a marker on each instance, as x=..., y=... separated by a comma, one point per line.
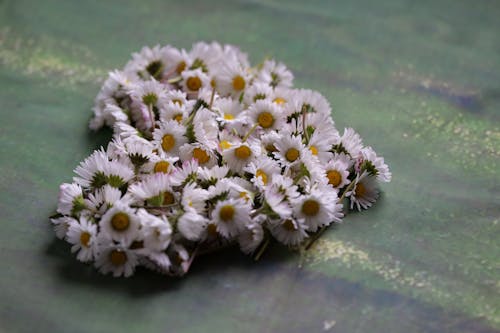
x=232, y=78
x=155, y=189
x=250, y=237
x=364, y=193
x=230, y=216
x=372, y=161
x=116, y=259
x=275, y=74
x=61, y=225
x=194, y=80
x=169, y=137
x=120, y=223
x=82, y=234
x=289, y=149
x=350, y=143
x=318, y=208
x=337, y=173
x=289, y=231
x=267, y=115
x=203, y=154
x=192, y=225
x=193, y=197
x=262, y=170
x=156, y=231
x=71, y=199
x=240, y=155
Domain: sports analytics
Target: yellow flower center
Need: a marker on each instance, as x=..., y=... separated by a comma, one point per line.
x=168, y=198
x=289, y=225
x=360, y=190
x=226, y=213
x=180, y=67
x=212, y=229
x=334, y=177
x=201, y=155
x=177, y=101
x=120, y=221
x=213, y=83
x=117, y=257
x=161, y=166
x=310, y=207
x=279, y=100
x=271, y=148
x=313, y=150
x=193, y=83
x=262, y=175
x=225, y=144
x=238, y=83
x=265, y=119
x=244, y=195
x=85, y=238
x=242, y=152
x=168, y=142
x=292, y=154
x=228, y=116
x=178, y=117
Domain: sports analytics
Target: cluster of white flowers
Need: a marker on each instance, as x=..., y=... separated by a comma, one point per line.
x=208, y=151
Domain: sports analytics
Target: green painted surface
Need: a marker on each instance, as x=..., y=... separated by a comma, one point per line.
x=419, y=80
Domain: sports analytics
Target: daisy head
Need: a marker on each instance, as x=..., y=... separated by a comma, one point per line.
x=289, y=231
x=250, y=237
x=230, y=216
x=156, y=231
x=318, y=208
x=120, y=223
x=116, y=259
x=194, y=80
x=169, y=137
x=204, y=155
x=365, y=191
x=240, y=154
x=275, y=74
x=266, y=115
x=289, y=149
x=71, y=200
x=337, y=173
x=82, y=235
x=231, y=78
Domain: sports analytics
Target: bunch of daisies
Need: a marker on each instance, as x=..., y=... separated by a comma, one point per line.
x=208, y=151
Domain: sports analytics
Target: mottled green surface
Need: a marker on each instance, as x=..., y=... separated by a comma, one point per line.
x=420, y=80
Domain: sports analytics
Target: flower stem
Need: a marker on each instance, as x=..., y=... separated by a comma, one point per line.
x=250, y=132
x=262, y=249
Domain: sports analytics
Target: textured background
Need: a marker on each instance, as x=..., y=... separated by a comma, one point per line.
x=420, y=80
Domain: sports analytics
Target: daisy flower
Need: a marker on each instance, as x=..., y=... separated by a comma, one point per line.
x=275, y=74
x=97, y=170
x=232, y=78
x=289, y=149
x=375, y=165
x=156, y=231
x=364, y=193
x=191, y=225
x=61, y=225
x=83, y=235
x=186, y=173
x=204, y=155
x=194, y=80
x=337, y=173
x=71, y=200
x=160, y=163
x=349, y=143
x=169, y=137
x=266, y=115
x=206, y=129
x=250, y=237
x=240, y=154
x=230, y=216
x=116, y=259
x=318, y=208
x=262, y=171
x=193, y=197
x=149, y=63
x=155, y=189
x=257, y=91
x=289, y=231
x=120, y=223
